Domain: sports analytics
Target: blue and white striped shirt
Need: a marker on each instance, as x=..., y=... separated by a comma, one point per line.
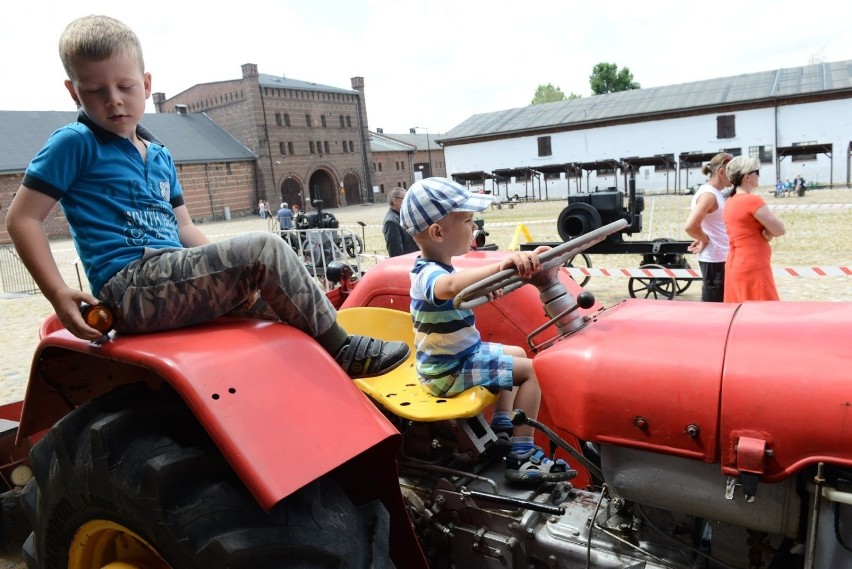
x=443, y=336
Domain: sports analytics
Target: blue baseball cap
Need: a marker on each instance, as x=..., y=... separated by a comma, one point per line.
x=430, y=200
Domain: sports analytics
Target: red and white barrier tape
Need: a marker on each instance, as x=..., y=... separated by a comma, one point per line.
x=811, y=206
x=696, y=273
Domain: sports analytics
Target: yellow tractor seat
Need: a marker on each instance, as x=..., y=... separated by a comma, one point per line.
x=399, y=391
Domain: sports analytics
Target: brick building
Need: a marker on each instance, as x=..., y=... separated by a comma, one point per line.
x=216, y=172
x=399, y=160
x=310, y=140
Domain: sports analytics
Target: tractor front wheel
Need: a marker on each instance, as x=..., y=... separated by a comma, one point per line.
x=132, y=479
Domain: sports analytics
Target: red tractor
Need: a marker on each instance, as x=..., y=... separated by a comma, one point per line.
x=704, y=435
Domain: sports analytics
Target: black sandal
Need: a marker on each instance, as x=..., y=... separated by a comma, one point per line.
x=362, y=356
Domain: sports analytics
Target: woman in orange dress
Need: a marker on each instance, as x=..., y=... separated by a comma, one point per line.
x=751, y=226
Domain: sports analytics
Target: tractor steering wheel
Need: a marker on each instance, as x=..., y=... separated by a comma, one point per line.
x=509, y=279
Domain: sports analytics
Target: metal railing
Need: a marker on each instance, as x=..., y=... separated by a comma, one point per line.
x=317, y=248
x=14, y=276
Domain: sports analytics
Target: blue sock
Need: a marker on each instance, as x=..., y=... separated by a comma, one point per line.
x=520, y=445
x=500, y=421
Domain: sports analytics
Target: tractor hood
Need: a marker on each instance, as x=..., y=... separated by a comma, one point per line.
x=761, y=387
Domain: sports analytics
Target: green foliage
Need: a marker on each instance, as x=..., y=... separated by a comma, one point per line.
x=606, y=78
x=547, y=94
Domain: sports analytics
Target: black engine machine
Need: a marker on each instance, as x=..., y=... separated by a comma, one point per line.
x=587, y=212
x=318, y=219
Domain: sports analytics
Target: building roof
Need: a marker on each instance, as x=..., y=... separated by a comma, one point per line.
x=383, y=143
x=415, y=141
x=267, y=80
x=419, y=141
x=822, y=78
x=190, y=138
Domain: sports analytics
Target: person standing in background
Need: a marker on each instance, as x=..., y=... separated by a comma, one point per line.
x=799, y=185
x=285, y=217
x=706, y=225
x=751, y=226
x=397, y=239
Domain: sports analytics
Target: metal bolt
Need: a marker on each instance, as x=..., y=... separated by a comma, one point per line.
x=692, y=430
x=640, y=422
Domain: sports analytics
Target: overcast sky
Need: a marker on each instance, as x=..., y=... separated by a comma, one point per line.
x=428, y=63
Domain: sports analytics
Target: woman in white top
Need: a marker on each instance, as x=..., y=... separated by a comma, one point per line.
x=706, y=225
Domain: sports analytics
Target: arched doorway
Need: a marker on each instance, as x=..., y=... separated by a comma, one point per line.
x=291, y=192
x=352, y=187
x=322, y=187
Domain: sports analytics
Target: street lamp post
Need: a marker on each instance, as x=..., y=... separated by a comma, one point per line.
x=413, y=130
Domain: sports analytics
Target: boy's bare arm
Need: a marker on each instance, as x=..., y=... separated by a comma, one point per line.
x=189, y=234
x=526, y=263
x=25, y=223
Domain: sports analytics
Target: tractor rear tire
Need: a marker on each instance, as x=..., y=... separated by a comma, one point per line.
x=135, y=467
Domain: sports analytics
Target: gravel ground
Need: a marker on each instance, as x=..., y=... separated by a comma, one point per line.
x=816, y=237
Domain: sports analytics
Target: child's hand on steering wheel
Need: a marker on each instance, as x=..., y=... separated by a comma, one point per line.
x=525, y=262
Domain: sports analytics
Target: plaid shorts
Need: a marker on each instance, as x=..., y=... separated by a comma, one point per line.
x=489, y=367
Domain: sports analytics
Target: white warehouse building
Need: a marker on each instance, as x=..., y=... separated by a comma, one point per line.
x=796, y=121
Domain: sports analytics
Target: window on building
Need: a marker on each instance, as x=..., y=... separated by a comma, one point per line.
x=290, y=148
x=322, y=120
x=762, y=153
x=228, y=168
x=281, y=148
x=345, y=147
x=351, y=146
x=726, y=126
x=308, y=120
x=278, y=119
x=286, y=119
x=348, y=121
x=804, y=157
x=319, y=147
x=341, y=120
x=544, y=146
x=732, y=151
x=403, y=165
x=311, y=145
x=380, y=166
x=325, y=145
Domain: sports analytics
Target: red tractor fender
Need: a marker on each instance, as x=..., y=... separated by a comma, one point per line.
x=278, y=407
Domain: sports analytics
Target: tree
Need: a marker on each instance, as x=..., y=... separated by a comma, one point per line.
x=547, y=94
x=606, y=78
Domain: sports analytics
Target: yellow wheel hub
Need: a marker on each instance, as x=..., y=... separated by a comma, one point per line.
x=102, y=544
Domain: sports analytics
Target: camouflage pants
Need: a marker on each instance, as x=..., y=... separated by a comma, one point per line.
x=172, y=288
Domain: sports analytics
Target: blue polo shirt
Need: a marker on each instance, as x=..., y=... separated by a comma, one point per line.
x=116, y=204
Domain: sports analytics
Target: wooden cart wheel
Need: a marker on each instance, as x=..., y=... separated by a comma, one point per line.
x=581, y=261
x=682, y=285
x=652, y=287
